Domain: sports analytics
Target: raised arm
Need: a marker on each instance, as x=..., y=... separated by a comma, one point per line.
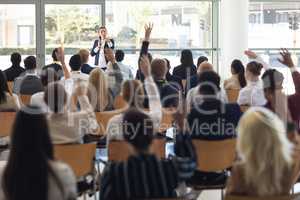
x=61, y=58
x=146, y=41
x=254, y=57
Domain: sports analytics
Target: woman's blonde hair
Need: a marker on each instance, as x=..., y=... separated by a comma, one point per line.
x=265, y=150
x=84, y=55
x=133, y=93
x=98, y=90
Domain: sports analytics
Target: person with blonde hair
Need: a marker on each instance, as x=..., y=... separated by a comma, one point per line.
x=269, y=164
x=100, y=95
x=85, y=67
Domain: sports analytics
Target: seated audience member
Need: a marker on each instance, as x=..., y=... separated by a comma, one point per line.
x=69, y=127
x=31, y=171
x=212, y=111
x=15, y=70
x=100, y=95
x=174, y=80
x=84, y=55
x=252, y=94
x=125, y=69
x=8, y=102
x=144, y=51
x=269, y=166
x=187, y=67
x=133, y=94
x=30, y=83
x=169, y=93
x=47, y=75
x=193, y=80
x=55, y=65
x=143, y=175
x=237, y=81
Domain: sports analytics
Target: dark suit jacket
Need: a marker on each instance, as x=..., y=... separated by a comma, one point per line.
x=97, y=54
x=169, y=93
x=28, y=85
x=86, y=68
x=183, y=72
x=13, y=72
x=174, y=80
x=57, y=68
x=214, y=126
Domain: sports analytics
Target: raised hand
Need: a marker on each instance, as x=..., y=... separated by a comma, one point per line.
x=286, y=58
x=61, y=55
x=250, y=54
x=145, y=66
x=148, y=29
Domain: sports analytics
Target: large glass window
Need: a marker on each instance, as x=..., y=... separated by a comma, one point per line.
x=74, y=25
x=17, y=31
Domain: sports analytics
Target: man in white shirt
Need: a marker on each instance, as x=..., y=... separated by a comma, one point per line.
x=125, y=69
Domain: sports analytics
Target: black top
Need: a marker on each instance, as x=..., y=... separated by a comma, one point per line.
x=169, y=93
x=214, y=120
x=13, y=72
x=57, y=68
x=86, y=69
x=97, y=54
x=183, y=72
x=174, y=80
x=140, y=177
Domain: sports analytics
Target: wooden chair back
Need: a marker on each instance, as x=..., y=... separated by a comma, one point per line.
x=121, y=150
x=215, y=156
x=232, y=95
x=288, y=197
x=79, y=157
x=103, y=119
x=120, y=103
x=24, y=99
x=7, y=120
x=10, y=85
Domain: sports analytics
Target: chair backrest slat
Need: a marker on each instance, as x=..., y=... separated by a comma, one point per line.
x=103, y=119
x=7, y=120
x=25, y=99
x=10, y=85
x=120, y=103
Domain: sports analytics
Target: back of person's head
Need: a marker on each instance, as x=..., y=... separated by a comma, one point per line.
x=27, y=170
x=209, y=83
x=254, y=68
x=272, y=80
x=159, y=69
x=205, y=66
x=133, y=93
x=75, y=62
x=201, y=59
x=54, y=54
x=84, y=55
x=15, y=59
x=238, y=68
x=98, y=84
x=48, y=75
x=265, y=151
x=55, y=97
x=119, y=55
x=138, y=130
x=168, y=63
x=187, y=58
x=30, y=63
x=3, y=87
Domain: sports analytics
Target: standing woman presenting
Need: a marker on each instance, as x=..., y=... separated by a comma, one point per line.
x=99, y=45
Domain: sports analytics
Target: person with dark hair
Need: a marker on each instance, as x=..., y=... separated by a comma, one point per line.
x=68, y=127
x=30, y=83
x=237, y=80
x=100, y=44
x=201, y=59
x=187, y=67
x=55, y=65
x=143, y=175
x=48, y=75
x=125, y=69
x=8, y=102
x=252, y=94
x=31, y=171
x=174, y=80
x=15, y=70
x=85, y=67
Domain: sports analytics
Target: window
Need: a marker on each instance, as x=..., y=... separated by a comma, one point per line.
x=17, y=31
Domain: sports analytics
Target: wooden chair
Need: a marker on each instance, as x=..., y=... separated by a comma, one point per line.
x=288, y=197
x=7, y=120
x=103, y=119
x=214, y=156
x=25, y=99
x=10, y=85
x=244, y=108
x=120, y=103
x=79, y=157
x=232, y=95
x=121, y=150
